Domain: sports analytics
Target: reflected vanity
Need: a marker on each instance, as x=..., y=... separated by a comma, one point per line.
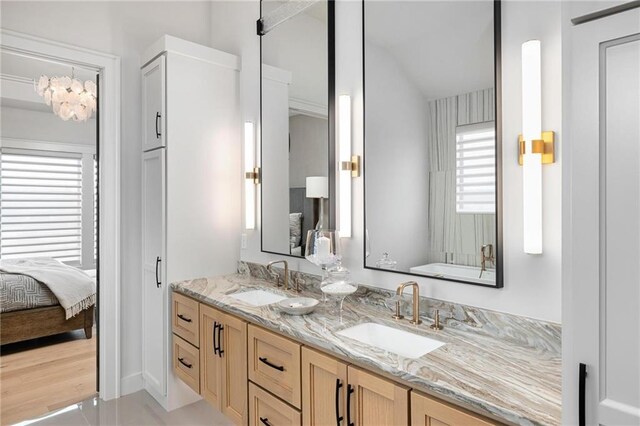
x=432, y=139
x=296, y=115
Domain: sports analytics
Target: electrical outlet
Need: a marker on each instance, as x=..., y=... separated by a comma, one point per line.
x=243, y=241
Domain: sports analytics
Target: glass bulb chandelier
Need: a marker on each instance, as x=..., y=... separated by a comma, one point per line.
x=70, y=98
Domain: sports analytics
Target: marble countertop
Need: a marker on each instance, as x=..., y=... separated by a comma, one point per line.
x=516, y=380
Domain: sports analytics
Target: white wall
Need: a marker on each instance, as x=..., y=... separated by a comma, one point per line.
x=532, y=283
x=27, y=124
x=396, y=161
x=124, y=29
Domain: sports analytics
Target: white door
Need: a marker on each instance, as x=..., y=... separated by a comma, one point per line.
x=601, y=301
x=154, y=287
x=153, y=105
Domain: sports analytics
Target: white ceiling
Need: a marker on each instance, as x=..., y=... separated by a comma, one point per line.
x=444, y=47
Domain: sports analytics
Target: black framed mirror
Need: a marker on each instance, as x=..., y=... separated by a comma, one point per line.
x=432, y=139
x=297, y=91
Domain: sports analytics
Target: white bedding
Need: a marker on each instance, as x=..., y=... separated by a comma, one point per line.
x=74, y=289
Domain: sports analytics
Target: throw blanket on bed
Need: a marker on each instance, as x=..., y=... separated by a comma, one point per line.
x=74, y=289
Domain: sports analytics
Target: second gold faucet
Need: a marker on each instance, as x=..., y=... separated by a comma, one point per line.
x=416, y=301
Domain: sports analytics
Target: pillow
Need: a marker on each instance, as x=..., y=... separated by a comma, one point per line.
x=295, y=229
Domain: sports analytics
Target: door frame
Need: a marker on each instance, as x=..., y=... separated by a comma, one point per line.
x=108, y=66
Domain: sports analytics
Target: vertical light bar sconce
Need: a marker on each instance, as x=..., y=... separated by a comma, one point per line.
x=349, y=165
x=252, y=175
x=535, y=147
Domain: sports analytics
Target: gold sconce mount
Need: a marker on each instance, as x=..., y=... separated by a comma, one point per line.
x=254, y=175
x=353, y=166
x=544, y=146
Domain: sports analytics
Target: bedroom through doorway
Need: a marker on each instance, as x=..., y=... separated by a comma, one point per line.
x=49, y=242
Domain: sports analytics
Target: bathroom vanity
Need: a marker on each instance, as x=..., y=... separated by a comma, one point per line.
x=262, y=367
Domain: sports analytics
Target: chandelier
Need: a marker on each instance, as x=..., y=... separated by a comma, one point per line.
x=70, y=98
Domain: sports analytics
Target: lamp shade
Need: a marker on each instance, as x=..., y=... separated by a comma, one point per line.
x=317, y=187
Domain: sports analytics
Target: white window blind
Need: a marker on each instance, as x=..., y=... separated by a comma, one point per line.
x=41, y=195
x=476, y=168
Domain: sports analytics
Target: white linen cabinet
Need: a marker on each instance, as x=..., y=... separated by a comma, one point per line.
x=191, y=184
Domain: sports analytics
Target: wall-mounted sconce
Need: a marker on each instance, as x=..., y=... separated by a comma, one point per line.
x=252, y=175
x=349, y=165
x=535, y=147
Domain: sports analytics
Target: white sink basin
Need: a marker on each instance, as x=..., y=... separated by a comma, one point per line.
x=391, y=339
x=258, y=297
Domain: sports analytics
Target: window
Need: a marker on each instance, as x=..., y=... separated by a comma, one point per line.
x=476, y=168
x=41, y=197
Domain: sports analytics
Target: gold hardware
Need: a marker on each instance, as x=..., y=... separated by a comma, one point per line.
x=544, y=146
x=353, y=165
x=286, y=272
x=436, y=324
x=254, y=175
x=416, y=300
x=398, y=315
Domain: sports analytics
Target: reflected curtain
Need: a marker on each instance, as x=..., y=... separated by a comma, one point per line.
x=460, y=235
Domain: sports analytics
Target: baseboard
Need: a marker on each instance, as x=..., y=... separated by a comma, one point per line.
x=130, y=384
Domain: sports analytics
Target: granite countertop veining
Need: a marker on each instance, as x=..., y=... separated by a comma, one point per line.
x=515, y=377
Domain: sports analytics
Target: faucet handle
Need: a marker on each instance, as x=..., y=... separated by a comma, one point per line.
x=436, y=322
x=299, y=283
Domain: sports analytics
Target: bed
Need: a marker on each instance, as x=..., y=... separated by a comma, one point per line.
x=29, y=309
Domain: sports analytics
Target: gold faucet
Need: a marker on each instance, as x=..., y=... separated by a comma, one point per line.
x=416, y=301
x=484, y=257
x=286, y=273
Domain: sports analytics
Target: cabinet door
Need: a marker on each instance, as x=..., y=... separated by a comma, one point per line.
x=233, y=347
x=154, y=289
x=324, y=389
x=601, y=236
x=210, y=362
x=428, y=411
x=153, y=104
x=375, y=401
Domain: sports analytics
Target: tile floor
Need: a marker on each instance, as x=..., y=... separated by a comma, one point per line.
x=137, y=409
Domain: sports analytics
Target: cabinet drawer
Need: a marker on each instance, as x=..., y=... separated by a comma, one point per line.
x=186, y=319
x=426, y=410
x=274, y=364
x=267, y=410
x=186, y=363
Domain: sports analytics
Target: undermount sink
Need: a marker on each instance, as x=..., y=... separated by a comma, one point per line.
x=258, y=297
x=391, y=339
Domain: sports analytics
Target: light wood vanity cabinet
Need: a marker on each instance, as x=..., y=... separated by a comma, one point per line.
x=274, y=364
x=260, y=378
x=267, y=410
x=334, y=392
x=223, y=363
x=429, y=411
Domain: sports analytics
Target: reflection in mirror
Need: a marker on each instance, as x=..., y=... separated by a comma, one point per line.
x=430, y=139
x=295, y=126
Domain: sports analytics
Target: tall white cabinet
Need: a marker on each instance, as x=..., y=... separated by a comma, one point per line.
x=601, y=228
x=190, y=188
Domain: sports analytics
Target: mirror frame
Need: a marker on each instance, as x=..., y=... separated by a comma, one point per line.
x=331, y=89
x=497, y=56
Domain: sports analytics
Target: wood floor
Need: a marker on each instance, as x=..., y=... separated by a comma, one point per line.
x=46, y=374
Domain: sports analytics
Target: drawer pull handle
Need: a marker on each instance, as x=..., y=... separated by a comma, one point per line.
x=265, y=421
x=266, y=361
x=183, y=318
x=185, y=363
x=158, y=134
x=215, y=344
x=339, y=418
x=350, y=390
x=220, y=350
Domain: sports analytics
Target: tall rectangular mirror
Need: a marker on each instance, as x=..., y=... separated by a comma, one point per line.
x=432, y=139
x=296, y=115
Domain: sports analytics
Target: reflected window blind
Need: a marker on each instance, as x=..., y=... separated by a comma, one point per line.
x=41, y=195
x=476, y=168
